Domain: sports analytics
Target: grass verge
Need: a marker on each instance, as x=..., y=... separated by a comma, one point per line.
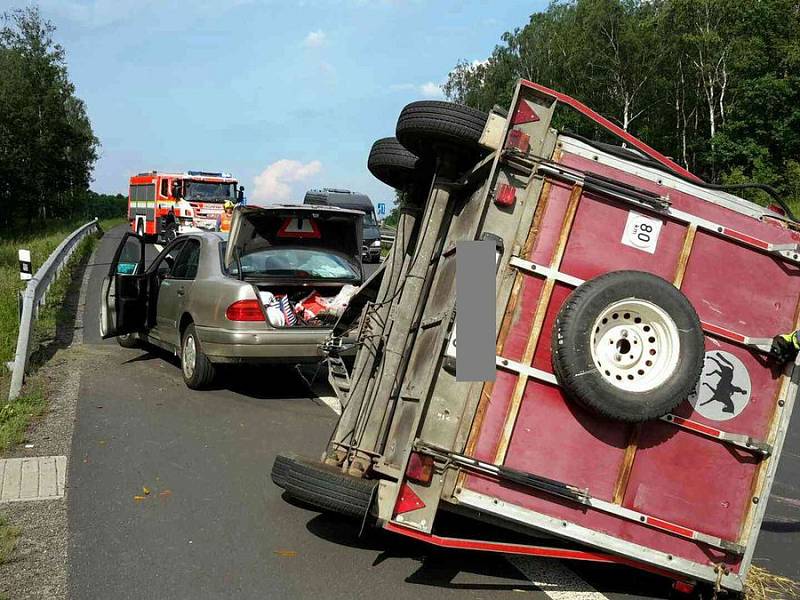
x=8, y=539
x=15, y=417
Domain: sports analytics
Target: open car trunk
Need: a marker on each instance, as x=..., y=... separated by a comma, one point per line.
x=304, y=305
x=304, y=261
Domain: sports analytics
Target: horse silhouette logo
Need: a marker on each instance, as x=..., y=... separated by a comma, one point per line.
x=724, y=388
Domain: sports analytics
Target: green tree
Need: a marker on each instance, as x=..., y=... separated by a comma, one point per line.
x=47, y=146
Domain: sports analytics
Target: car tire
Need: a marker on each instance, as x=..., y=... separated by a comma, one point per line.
x=197, y=370
x=281, y=467
x=627, y=345
x=327, y=488
x=392, y=164
x=425, y=127
x=129, y=340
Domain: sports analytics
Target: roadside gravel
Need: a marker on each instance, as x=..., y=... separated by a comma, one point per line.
x=37, y=569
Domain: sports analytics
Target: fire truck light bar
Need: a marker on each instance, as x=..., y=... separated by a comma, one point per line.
x=207, y=174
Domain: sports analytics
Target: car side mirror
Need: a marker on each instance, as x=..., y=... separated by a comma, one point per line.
x=240, y=194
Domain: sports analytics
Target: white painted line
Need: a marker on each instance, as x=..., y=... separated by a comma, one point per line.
x=33, y=478
x=331, y=402
x=555, y=579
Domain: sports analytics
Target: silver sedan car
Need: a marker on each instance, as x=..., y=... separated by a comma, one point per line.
x=270, y=291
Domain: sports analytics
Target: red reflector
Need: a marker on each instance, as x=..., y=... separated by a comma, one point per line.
x=683, y=587
x=506, y=195
x=519, y=141
x=420, y=468
x=777, y=209
x=524, y=114
x=407, y=501
x=245, y=310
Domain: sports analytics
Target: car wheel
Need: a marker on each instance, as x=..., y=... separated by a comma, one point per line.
x=198, y=371
x=392, y=164
x=327, y=488
x=128, y=340
x=426, y=127
x=628, y=345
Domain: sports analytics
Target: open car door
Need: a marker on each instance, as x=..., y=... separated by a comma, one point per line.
x=123, y=301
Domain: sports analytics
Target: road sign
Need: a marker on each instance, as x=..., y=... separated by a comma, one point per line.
x=381, y=209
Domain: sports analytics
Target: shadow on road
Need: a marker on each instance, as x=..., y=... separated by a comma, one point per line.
x=65, y=319
x=437, y=567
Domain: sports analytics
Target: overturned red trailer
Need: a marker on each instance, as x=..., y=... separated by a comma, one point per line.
x=634, y=411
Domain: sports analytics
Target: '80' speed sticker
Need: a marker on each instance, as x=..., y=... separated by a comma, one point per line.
x=641, y=232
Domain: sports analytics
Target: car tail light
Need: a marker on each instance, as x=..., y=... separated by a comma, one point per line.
x=420, y=468
x=407, y=500
x=506, y=195
x=245, y=310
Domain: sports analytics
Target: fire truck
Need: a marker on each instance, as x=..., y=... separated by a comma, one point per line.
x=163, y=205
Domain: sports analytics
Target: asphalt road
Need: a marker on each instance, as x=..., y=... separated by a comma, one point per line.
x=170, y=497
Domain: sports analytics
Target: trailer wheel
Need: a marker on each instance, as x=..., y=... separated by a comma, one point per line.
x=627, y=345
x=392, y=164
x=280, y=468
x=327, y=488
x=427, y=126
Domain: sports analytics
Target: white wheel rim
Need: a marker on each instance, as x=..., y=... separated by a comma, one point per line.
x=189, y=355
x=635, y=345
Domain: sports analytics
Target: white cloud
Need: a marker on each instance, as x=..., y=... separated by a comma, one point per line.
x=426, y=90
x=273, y=184
x=431, y=90
x=315, y=39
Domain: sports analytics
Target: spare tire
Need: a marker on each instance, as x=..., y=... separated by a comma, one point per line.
x=392, y=164
x=327, y=488
x=628, y=345
x=427, y=126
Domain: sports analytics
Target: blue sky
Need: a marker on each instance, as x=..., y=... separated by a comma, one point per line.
x=286, y=95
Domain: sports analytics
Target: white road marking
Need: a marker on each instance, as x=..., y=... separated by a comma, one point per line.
x=555, y=579
x=32, y=478
x=158, y=247
x=331, y=402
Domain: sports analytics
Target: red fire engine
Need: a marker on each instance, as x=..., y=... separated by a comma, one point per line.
x=167, y=204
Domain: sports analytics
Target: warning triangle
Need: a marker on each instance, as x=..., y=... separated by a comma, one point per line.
x=298, y=227
x=524, y=114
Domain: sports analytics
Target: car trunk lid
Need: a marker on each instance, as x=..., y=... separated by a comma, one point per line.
x=314, y=227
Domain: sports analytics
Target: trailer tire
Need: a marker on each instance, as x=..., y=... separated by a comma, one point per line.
x=327, y=488
x=281, y=467
x=627, y=345
x=425, y=127
x=390, y=163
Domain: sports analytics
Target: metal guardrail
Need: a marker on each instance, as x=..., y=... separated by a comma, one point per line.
x=34, y=296
x=387, y=238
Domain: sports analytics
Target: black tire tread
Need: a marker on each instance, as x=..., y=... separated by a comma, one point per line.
x=327, y=488
x=204, y=371
x=281, y=467
x=391, y=163
x=422, y=124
